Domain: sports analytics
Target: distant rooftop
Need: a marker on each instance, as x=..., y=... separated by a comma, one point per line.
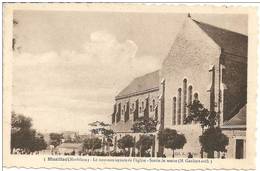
x=140, y=84
x=70, y=145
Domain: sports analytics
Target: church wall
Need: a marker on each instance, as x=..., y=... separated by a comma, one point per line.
x=120, y=126
x=190, y=58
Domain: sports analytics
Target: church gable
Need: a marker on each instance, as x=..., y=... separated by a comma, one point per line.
x=190, y=58
x=190, y=39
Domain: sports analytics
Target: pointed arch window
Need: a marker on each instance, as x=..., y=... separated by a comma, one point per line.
x=184, y=102
x=174, y=111
x=179, y=106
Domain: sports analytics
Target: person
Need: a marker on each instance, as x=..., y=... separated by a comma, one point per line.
x=223, y=156
x=190, y=155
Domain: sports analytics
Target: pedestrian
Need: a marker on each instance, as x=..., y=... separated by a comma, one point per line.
x=190, y=155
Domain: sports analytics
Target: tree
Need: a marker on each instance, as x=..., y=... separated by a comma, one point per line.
x=208, y=121
x=213, y=140
x=169, y=138
x=108, y=134
x=92, y=144
x=199, y=113
x=104, y=130
x=38, y=143
x=126, y=141
x=145, y=125
x=144, y=143
x=55, y=139
x=22, y=136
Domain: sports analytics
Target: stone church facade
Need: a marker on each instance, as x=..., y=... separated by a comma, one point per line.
x=204, y=62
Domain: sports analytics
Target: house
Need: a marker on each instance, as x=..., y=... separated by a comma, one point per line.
x=70, y=136
x=235, y=129
x=69, y=148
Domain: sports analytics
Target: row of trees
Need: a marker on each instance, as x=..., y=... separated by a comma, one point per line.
x=23, y=137
x=211, y=139
x=169, y=138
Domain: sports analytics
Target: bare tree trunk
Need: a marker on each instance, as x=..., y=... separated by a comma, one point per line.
x=108, y=149
x=201, y=150
x=210, y=154
x=128, y=152
x=172, y=153
x=140, y=151
x=92, y=150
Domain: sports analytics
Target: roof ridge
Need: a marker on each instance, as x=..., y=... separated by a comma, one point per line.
x=220, y=28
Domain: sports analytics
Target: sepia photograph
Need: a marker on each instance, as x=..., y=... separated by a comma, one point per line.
x=125, y=84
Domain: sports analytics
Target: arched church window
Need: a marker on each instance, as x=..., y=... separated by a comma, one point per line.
x=184, y=102
x=174, y=111
x=196, y=96
x=153, y=104
x=179, y=106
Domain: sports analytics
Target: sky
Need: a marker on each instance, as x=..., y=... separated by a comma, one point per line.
x=69, y=66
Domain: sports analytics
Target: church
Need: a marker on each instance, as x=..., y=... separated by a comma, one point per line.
x=204, y=62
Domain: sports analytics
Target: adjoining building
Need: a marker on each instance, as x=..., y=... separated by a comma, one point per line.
x=235, y=129
x=204, y=62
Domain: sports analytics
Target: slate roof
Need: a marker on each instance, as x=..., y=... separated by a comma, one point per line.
x=140, y=84
x=239, y=120
x=230, y=41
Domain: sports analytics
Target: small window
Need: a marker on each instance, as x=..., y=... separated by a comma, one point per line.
x=196, y=96
x=153, y=104
x=151, y=108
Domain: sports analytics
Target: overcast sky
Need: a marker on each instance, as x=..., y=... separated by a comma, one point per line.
x=69, y=66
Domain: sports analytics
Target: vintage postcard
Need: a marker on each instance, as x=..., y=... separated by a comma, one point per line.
x=130, y=86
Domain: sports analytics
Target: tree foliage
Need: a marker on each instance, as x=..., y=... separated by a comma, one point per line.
x=55, y=139
x=92, y=143
x=38, y=143
x=144, y=143
x=213, y=140
x=23, y=137
x=145, y=125
x=103, y=129
x=199, y=113
x=169, y=138
x=108, y=133
x=125, y=142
